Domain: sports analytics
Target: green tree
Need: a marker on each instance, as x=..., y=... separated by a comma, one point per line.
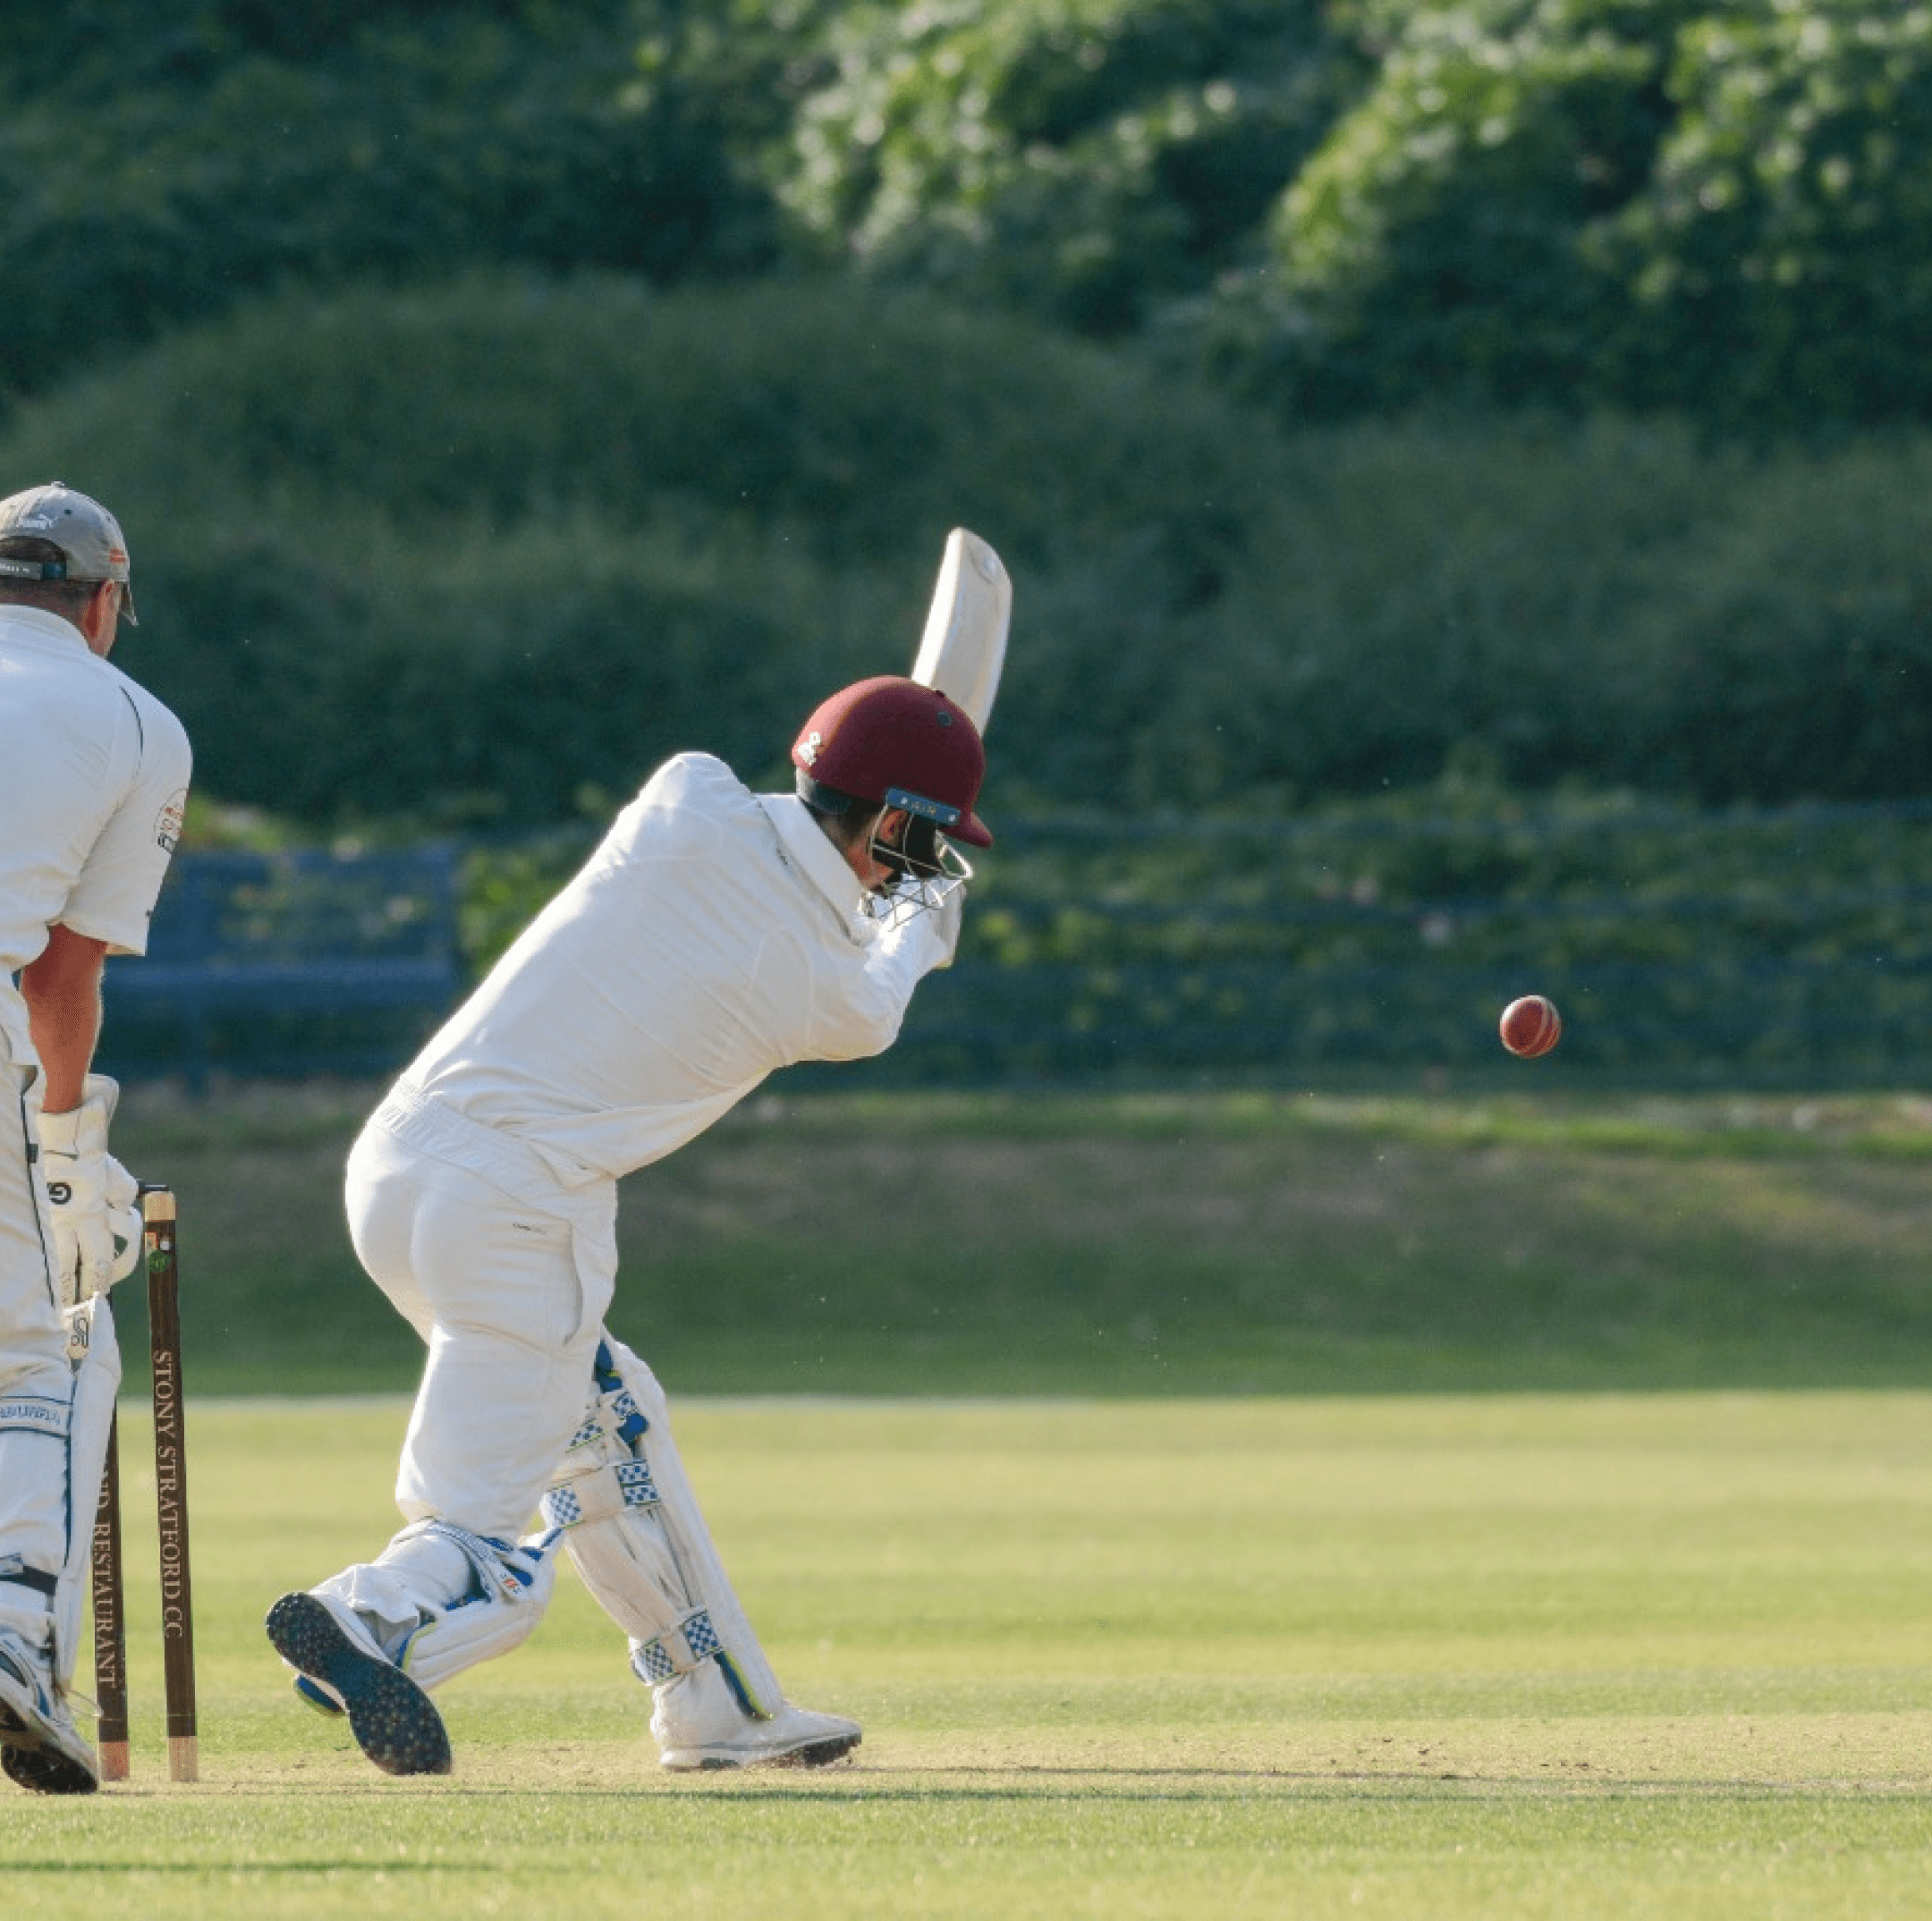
x=1649, y=204
x=1776, y=266
x=1086, y=160
x=1432, y=246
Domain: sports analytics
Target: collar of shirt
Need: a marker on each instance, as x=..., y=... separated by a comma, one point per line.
x=809, y=849
x=35, y=624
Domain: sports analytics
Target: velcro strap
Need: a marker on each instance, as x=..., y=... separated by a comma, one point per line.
x=613, y=1415
x=490, y=1558
x=600, y=1494
x=33, y=1413
x=678, y=1650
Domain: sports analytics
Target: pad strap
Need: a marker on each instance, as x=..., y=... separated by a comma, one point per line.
x=678, y=1650
x=600, y=1494
x=615, y=1412
x=13, y=1569
x=488, y=1558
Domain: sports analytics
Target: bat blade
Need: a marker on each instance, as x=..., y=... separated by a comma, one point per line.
x=964, y=646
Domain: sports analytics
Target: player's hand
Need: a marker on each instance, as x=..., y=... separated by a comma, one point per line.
x=92, y=1199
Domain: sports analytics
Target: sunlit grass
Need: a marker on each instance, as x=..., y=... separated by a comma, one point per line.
x=1518, y=1655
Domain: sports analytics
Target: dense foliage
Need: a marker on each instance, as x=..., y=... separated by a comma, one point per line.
x=1651, y=203
x=1088, y=160
x=505, y=540
x=1710, y=208
x=176, y=163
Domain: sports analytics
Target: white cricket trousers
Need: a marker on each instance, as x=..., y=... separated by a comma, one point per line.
x=510, y=1298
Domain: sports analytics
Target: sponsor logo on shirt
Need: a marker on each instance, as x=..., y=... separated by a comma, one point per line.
x=168, y=826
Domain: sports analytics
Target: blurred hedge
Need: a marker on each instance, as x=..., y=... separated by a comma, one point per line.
x=515, y=535
x=467, y=551
x=1360, y=942
x=1090, y=164
x=168, y=164
x=1376, y=942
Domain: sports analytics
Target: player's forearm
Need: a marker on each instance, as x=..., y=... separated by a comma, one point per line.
x=62, y=993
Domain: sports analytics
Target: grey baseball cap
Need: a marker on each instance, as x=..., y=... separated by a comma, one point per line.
x=80, y=528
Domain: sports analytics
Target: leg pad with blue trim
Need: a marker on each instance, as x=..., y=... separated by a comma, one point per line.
x=630, y=1522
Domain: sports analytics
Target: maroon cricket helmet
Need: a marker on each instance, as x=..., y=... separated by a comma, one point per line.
x=896, y=743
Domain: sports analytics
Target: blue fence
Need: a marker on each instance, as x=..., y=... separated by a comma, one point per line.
x=1789, y=948
x=303, y=962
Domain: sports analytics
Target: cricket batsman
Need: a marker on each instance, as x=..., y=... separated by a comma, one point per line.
x=716, y=934
x=93, y=780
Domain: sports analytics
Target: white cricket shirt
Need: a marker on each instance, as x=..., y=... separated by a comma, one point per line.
x=93, y=780
x=715, y=936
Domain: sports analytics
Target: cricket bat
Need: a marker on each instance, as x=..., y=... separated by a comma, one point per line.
x=964, y=645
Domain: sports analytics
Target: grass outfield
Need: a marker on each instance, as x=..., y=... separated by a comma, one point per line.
x=1156, y=1245
x=1494, y=1655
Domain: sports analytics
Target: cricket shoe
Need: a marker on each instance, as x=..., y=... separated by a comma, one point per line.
x=395, y=1723
x=699, y=1723
x=40, y=1746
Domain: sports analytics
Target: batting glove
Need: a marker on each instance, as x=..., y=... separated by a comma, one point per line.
x=93, y=1199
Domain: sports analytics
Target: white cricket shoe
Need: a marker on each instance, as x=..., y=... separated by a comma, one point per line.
x=40, y=1746
x=699, y=1723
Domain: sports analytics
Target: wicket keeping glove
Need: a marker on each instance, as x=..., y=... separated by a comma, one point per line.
x=93, y=1199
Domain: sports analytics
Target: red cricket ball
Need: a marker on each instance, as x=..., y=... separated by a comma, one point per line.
x=1530, y=1026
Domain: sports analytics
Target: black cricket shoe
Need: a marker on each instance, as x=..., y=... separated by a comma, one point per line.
x=395, y=1723
x=47, y=1770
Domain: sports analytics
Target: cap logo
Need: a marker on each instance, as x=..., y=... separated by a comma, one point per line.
x=42, y=520
x=810, y=748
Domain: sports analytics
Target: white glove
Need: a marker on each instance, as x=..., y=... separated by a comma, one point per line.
x=94, y=1200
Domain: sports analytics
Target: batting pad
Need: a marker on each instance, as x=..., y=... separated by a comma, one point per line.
x=62, y=1445
x=632, y=1523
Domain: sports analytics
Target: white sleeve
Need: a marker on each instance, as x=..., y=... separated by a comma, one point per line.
x=113, y=897
x=867, y=1019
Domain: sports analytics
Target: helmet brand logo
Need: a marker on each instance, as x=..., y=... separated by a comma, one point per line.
x=933, y=810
